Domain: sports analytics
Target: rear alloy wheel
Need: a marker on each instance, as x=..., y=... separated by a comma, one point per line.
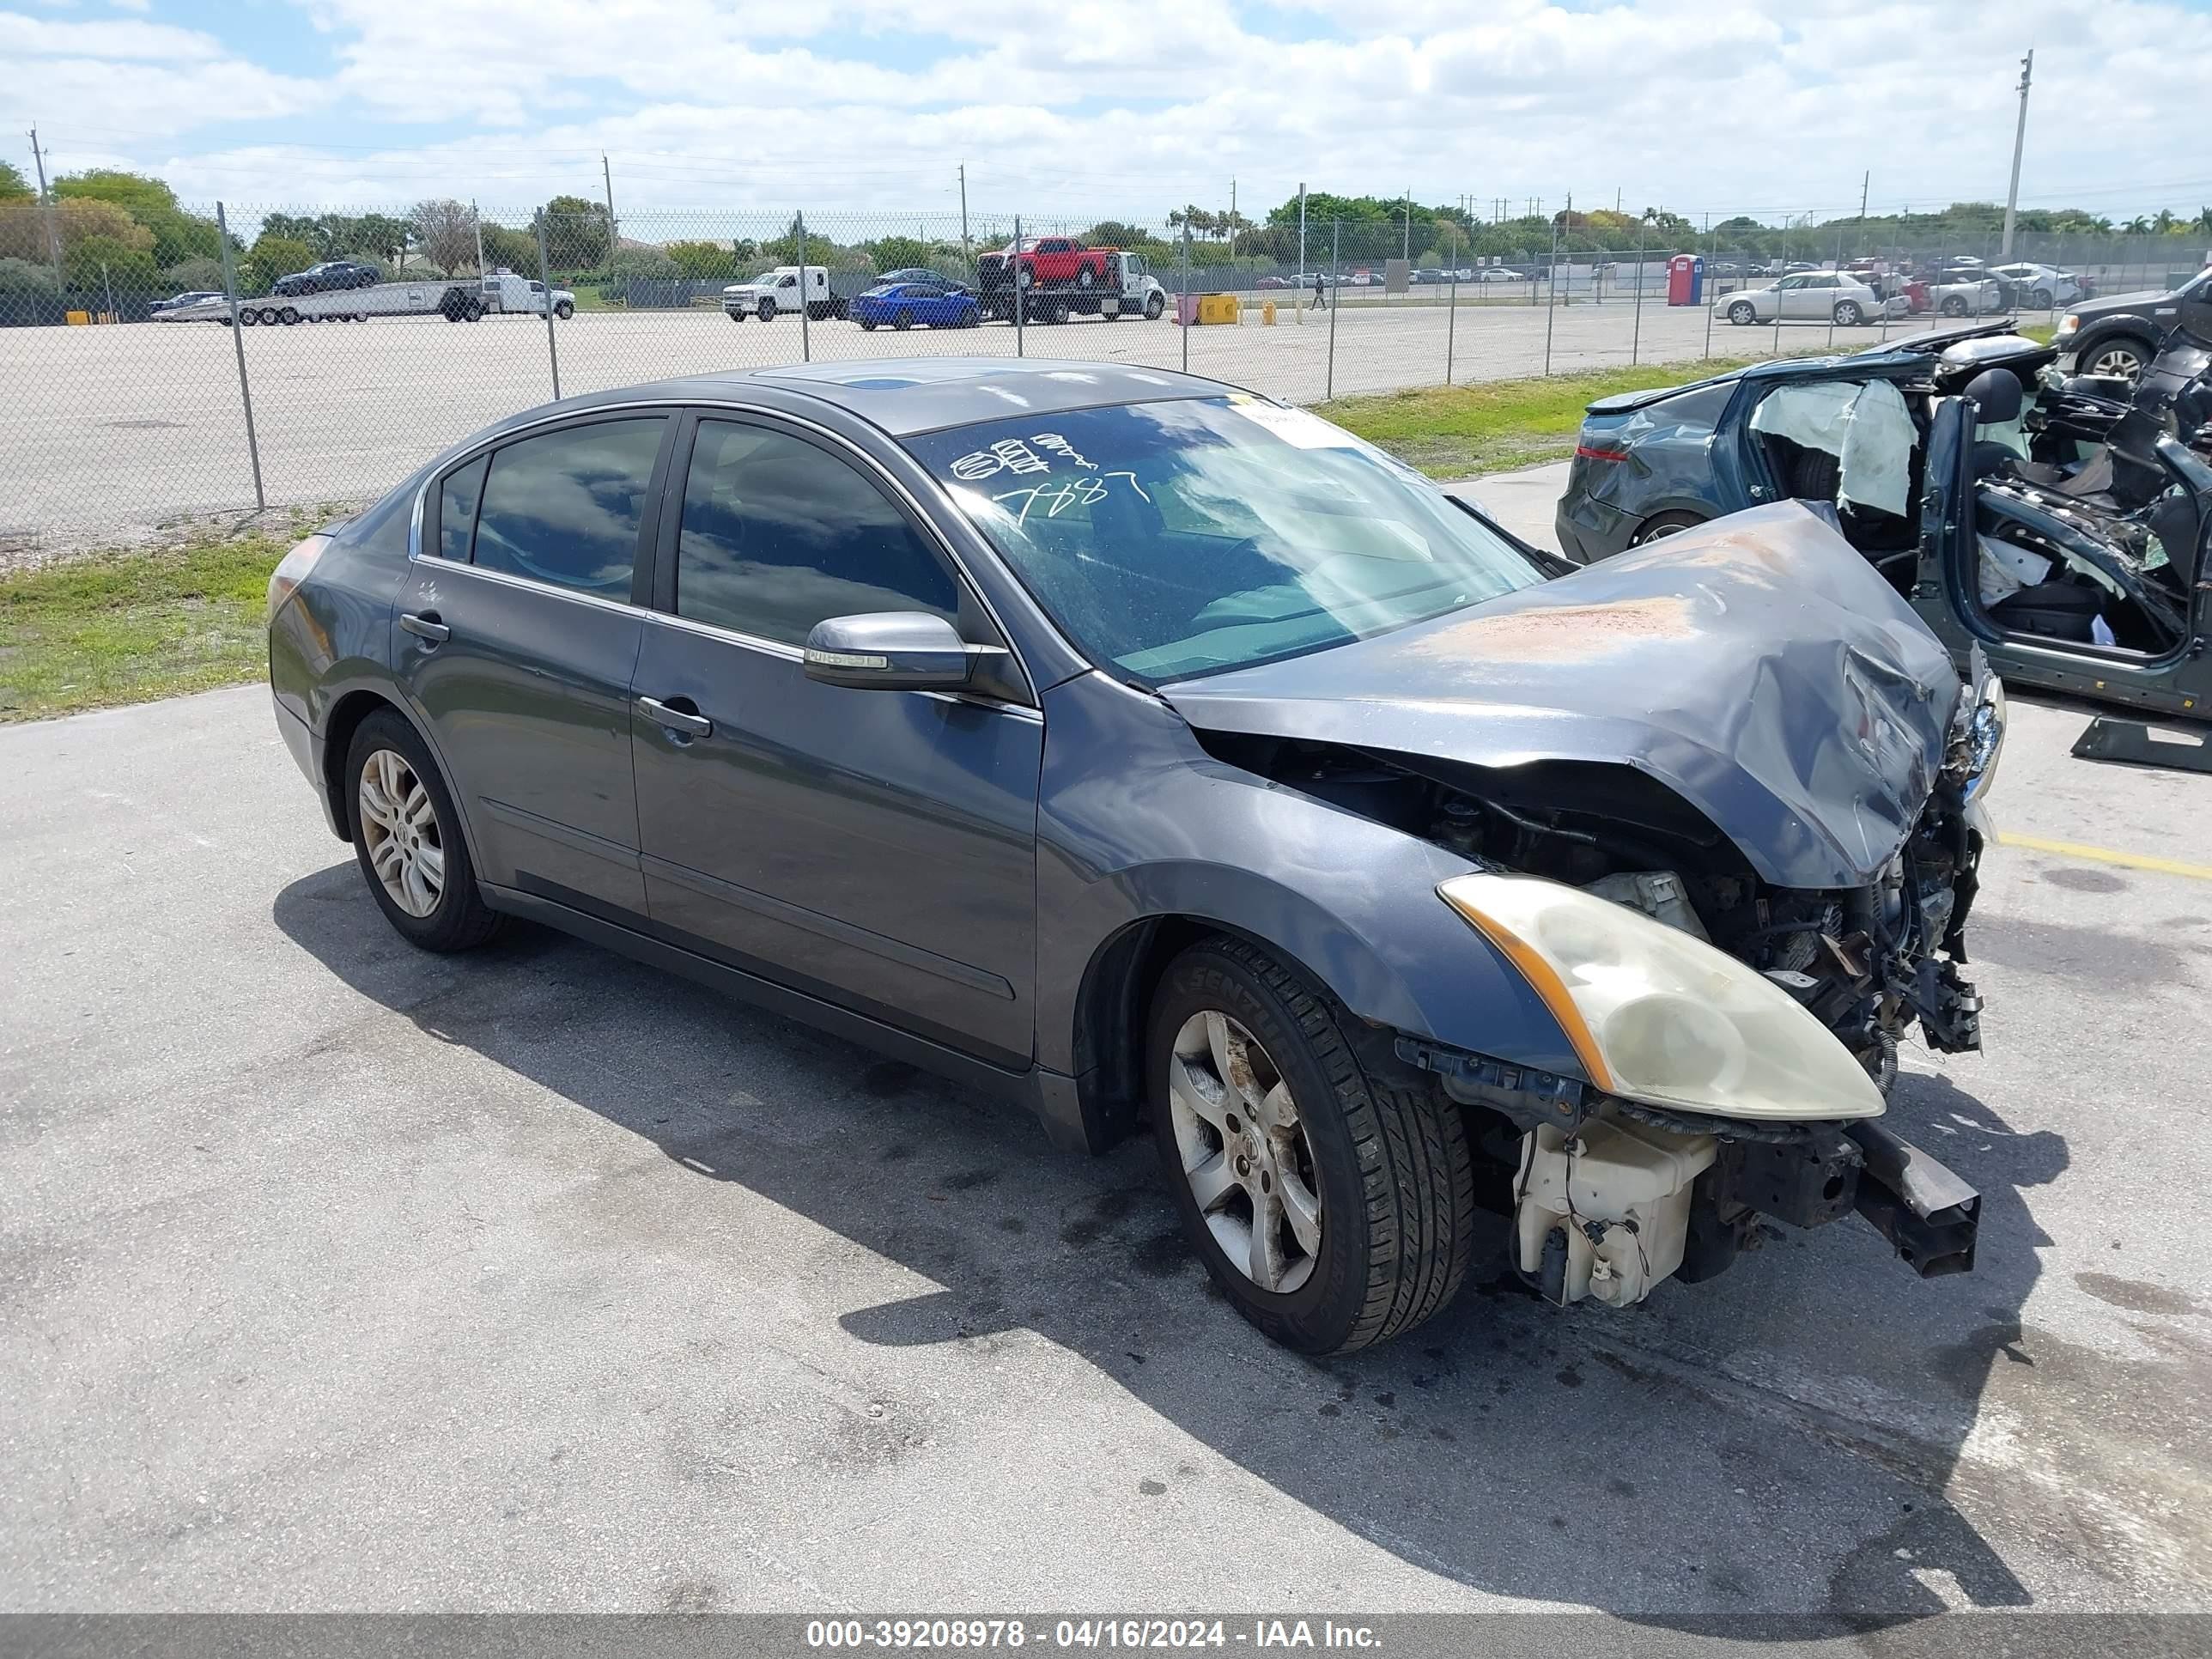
x=868, y=325
x=1333, y=1204
x=1955, y=306
x=1743, y=313
x=2121, y=359
x=407, y=840
x=2041, y=300
x=1665, y=525
x=1848, y=314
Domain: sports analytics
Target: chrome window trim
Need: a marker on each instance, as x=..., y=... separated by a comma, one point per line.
x=530, y=585
x=839, y=445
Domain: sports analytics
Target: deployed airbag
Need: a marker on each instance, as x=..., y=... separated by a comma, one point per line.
x=1864, y=423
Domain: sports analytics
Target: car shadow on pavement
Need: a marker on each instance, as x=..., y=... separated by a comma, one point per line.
x=1785, y=1440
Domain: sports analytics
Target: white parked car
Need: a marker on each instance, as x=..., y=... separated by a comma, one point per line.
x=2040, y=288
x=503, y=290
x=1500, y=274
x=1808, y=296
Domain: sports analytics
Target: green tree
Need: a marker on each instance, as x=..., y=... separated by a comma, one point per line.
x=1112, y=233
x=96, y=265
x=894, y=252
x=21, y=280
x=14, y=187
x=702, y=259
x=516, y=250
x=269, y=257
x=151, y=203
x=197, y=272
x=576, y=233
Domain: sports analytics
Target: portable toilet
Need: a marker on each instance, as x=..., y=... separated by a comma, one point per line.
x=1685, y=280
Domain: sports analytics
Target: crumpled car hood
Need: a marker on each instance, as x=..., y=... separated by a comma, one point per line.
x=1758, y=666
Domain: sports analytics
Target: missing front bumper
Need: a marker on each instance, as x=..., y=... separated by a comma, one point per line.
x=1930, y=1215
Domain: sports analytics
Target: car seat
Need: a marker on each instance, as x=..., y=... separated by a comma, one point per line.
x=2054, y=610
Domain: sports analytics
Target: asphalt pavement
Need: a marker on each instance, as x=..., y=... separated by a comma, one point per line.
x=335, y=1275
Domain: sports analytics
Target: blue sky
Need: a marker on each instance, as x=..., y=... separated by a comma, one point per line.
x=1125, y=107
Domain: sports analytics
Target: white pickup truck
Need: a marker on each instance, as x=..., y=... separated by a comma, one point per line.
x=504, y=291
x=777, y=293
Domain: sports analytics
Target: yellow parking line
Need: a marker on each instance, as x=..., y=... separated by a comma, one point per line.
x=2075, y=849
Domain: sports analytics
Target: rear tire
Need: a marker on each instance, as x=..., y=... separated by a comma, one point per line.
x=457, y=917
x=1848, y=314
x=1381, y=1163
x=288, y=316
x=1954, y=306
x=905, y=319
x=1663, y=525
x=2041, y=300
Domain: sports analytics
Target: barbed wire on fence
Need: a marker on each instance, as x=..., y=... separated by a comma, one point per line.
x=357, y=345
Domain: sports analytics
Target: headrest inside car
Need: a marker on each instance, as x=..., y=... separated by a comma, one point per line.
x=1995, y=392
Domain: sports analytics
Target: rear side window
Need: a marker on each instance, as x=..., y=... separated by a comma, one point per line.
x=457, y=508
x=565, y=508
x=778, y=535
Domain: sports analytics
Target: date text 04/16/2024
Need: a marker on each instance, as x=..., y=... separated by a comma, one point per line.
x=1113, y=1634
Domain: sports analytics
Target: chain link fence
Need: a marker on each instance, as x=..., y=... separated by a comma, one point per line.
x=295, y=357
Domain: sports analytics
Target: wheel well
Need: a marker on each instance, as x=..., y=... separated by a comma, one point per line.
x=345, y=719
x=1114, y=1002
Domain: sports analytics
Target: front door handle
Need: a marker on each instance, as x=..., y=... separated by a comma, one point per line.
x=677, y=720
x=426, y=627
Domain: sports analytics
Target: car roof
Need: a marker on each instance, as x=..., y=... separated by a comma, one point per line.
x=906, y=396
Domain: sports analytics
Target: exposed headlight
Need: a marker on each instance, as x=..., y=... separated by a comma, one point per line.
x=2067, y=325
x=1657, y=1015
x=1984, y=736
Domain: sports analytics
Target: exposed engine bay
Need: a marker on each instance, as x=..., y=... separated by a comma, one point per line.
x=1611, y=1196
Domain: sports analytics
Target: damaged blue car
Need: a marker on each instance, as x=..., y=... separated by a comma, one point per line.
x=1168, y=760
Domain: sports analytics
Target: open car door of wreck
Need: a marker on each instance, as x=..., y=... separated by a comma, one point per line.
x=1955, y=512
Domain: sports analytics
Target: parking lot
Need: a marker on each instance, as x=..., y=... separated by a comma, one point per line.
x=113, y=430
x=340, y=1276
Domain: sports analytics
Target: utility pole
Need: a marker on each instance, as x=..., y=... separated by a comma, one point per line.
x=964, y=253
x=478, y=219
x=2019, y=140
x=47, y=208
x=614, y=235
x=1406, y=252
x=1298, y=290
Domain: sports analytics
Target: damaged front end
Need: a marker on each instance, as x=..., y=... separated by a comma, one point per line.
x=1735, y=916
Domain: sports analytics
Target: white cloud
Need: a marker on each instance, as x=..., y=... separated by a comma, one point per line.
x=1129, y=108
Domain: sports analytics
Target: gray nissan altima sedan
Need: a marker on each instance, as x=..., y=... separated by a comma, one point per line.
x=1156, y=753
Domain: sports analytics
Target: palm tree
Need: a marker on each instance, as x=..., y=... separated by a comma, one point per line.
x=2204, y=220
x=2163, y=222
x=2137, y=226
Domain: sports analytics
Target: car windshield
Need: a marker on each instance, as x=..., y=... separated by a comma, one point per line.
x=1183, y=538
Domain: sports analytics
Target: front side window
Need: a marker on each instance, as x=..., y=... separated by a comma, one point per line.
x=565, y=508
x=1182, y=538
x=778, y=535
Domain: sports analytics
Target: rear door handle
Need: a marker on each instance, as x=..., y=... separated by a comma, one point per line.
x=425, y=627
x=677, y=720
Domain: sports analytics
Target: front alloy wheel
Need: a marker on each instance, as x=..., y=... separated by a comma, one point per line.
x=1743, y=313
x=1245, y=1156
x=1328, y=1188
x=2122, y=359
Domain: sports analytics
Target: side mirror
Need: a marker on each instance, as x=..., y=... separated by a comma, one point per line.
x=891, y=650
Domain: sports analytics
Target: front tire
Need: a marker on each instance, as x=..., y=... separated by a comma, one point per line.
x=1154, y=305
x=2123, y=359
x=407, y=839
x=1333, y=1204
x=1743, y=313
x=766, y=311
x=564, y=311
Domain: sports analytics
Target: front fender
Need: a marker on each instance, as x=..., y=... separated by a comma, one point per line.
x=1169, y=831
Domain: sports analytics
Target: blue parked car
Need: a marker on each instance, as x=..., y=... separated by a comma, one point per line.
x=934, y=304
